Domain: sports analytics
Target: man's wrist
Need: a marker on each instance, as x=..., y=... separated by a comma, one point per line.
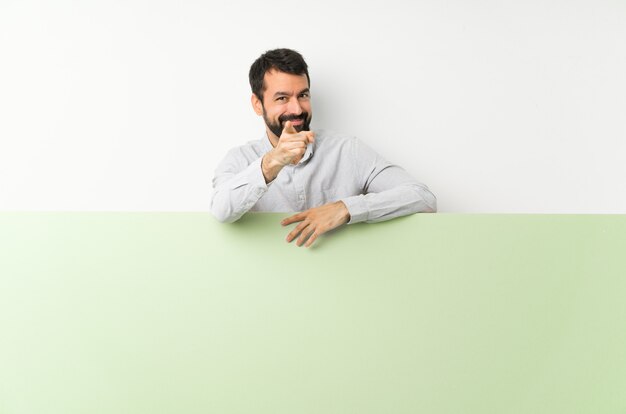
x=269, y=167
x=346, y=216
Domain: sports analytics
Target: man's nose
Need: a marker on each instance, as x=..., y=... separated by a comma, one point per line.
x=294, y=107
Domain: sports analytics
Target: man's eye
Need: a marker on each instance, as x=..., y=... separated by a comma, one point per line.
x=304, y=95
x=282, y=98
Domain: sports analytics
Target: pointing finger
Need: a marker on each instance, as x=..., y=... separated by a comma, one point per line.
x=289, y=128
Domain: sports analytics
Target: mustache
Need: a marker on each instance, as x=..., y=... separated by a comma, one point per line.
x=284, y=118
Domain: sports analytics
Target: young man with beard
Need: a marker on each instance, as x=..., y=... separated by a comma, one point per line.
x=331, y=178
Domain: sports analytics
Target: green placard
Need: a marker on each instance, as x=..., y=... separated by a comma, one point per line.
x=430, y=313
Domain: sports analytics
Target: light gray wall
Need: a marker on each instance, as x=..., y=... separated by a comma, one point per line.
x=498, y=106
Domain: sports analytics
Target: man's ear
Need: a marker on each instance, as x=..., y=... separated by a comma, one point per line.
x=257, y=105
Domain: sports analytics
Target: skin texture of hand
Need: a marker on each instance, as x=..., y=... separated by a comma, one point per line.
x=317, y=221
x=289, y=150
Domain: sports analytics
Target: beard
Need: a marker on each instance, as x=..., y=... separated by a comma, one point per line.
x=277, y=128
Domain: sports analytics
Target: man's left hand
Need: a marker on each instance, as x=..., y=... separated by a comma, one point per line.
x=317, y=221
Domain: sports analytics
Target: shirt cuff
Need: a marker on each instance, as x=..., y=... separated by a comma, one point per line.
x=357, y=207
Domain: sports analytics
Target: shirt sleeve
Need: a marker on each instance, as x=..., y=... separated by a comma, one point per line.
x=388, y=190
x=236, y=187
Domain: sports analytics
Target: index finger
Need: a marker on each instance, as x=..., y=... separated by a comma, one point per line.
x=288, y=128
x=292, y=219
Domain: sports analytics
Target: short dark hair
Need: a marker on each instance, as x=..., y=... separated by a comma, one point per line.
x=283, y=60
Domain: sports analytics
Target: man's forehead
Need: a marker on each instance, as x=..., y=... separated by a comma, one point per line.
x=275, y=80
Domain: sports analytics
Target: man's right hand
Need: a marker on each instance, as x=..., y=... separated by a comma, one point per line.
x=289, y=150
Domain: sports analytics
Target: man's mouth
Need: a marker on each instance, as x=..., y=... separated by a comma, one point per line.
x=297, y=121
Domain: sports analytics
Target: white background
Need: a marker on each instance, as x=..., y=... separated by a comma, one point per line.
x=498, y=106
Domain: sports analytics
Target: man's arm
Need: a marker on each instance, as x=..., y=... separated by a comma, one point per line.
x=236, y=190
x=388, y=190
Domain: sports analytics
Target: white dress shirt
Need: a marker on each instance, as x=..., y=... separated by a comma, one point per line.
x=335, y=167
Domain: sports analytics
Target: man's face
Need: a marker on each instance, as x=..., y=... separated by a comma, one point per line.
x=286, y=98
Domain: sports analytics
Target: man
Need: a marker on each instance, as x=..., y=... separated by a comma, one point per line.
x=331, y=178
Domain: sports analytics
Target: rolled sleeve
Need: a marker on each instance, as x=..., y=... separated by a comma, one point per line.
x=357, y=207
x=236, y=192
x=388, y=190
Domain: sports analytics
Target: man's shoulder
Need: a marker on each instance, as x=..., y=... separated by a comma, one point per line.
x=250, y=150
x=325, y=138
x=255, y=144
